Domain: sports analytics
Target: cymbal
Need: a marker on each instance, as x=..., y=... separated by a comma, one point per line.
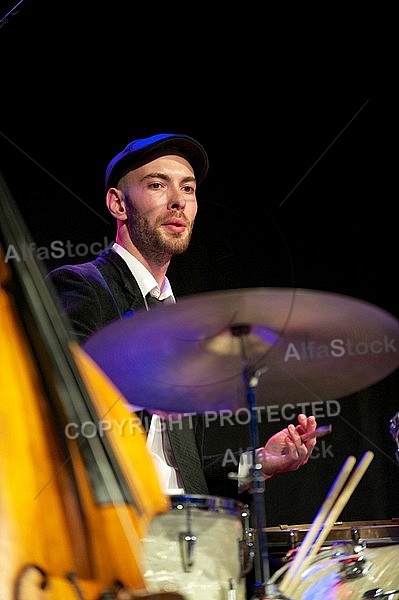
x=210, y=351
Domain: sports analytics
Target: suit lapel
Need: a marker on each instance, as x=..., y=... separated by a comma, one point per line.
x=121, y=281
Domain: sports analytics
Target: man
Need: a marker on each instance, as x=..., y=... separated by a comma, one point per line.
x=151, y=193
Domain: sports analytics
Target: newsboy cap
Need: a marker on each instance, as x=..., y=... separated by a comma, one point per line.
x=139, y=152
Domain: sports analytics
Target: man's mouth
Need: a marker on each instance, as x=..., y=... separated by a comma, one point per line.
x=175, y=225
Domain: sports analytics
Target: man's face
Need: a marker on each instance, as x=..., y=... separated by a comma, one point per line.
x=161, y=205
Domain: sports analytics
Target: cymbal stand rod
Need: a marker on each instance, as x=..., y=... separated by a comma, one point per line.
x=251, y=378
x=261, y=565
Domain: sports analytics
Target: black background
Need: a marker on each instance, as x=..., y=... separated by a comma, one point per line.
x=301, y=192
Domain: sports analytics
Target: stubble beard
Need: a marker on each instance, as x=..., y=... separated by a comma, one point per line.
x=152, y=240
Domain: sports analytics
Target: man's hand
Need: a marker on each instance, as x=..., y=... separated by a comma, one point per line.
x=285, y=451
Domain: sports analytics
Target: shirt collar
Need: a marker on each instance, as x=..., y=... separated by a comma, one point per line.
x=145, y=280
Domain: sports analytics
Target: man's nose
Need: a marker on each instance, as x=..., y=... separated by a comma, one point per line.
x=177, y=202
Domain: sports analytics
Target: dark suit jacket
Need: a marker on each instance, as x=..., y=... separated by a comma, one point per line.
x=95, y=293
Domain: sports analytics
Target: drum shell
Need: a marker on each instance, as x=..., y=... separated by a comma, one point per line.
x=219, y=551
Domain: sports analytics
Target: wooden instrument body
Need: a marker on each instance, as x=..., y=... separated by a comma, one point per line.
x=57, y=541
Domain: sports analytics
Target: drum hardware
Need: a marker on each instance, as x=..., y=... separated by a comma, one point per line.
x=263, y=590
x=187, y=541
x=354, y=566
x=251, y=379
x=247, y=545
x=187, y=544
x=358, y=544
x=380, y=593
x=394, y=431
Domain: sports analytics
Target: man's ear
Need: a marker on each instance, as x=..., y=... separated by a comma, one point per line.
x=116, y=204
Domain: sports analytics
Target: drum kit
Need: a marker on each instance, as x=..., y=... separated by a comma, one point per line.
x=249, y=348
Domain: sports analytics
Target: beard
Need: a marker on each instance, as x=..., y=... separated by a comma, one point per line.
x=151, y=239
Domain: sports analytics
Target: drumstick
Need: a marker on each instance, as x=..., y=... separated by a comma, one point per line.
x=319, y=432
x=317, y=522
x=332, y=517
x=336, y=511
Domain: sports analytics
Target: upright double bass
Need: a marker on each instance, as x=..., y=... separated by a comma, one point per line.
x=75, y=502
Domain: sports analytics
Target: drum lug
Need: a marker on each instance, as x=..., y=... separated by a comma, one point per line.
x=246, y=545
x=359, y=545
x=354, y=566
x=187, y=544
x=247, y=554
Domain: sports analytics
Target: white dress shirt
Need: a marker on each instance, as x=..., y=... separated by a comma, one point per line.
x=148, y=285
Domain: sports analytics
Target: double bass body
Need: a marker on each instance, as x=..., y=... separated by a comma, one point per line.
x=73, y=509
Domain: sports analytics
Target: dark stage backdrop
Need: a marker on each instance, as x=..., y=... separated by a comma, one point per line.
x=300, y=194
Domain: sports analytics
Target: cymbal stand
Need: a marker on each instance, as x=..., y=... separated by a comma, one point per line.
x=263, y=590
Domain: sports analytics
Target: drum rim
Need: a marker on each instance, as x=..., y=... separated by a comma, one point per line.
x=208, y=502
x=387, y=531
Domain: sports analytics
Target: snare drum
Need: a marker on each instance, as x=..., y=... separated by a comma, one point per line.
x=356, y=560
x=337, y=574
x=283, y=539
x=198, y=549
